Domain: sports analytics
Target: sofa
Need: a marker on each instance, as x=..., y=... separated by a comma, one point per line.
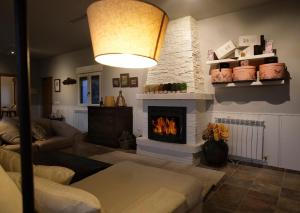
x=126, y=187
x=59, y=135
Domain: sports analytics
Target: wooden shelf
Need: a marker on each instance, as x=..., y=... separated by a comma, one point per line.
x=176, y=96
x=250, y=84
x=230, y=60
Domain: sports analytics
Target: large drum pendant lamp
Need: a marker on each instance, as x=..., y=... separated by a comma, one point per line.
x=126, y=33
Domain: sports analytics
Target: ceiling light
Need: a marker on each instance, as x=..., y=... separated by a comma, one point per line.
x=126, y=33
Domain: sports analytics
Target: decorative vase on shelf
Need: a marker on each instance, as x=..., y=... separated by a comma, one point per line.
x=120, y=100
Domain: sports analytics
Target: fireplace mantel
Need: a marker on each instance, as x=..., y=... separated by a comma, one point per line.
x=176, y=96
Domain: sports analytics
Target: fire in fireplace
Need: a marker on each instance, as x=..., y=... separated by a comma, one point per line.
x=167, y=124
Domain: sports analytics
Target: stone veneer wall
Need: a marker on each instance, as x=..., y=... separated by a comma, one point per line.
x=180, y=56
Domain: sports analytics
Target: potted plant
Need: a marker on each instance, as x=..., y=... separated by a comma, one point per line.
x=183, y=88
x=215, y=148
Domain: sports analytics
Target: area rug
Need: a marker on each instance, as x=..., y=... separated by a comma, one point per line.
x=208, y=177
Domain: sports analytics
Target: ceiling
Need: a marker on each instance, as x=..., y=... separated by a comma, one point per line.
x=51, y=31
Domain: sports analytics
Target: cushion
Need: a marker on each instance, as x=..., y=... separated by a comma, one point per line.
x=38, y=132
x=11, y=197
x=51, y=197
x=127, y=182
x=57, y=174
x=11, y=162
x=9, y=131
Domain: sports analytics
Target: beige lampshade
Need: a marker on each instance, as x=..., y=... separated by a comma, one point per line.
x=126, y=33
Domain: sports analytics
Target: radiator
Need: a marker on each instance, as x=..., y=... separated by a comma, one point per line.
x=246, y=140
x=81, y=120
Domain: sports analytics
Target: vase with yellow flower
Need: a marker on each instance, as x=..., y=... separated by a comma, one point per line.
x=215, y=148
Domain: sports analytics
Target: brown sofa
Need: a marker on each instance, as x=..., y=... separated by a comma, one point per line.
x=60, y=135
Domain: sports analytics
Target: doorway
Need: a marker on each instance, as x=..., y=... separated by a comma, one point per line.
x=8, y=102
x=47, y=96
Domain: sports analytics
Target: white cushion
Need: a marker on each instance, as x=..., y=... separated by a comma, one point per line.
x=51, y=197
x=11, y=162
x=10, y=197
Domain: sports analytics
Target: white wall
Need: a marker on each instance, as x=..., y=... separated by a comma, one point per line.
x=278, y=21
x=279, y=106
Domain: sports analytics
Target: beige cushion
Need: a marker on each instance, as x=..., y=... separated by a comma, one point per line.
x=127, y=182
x=57, y=174
x=54, y=143
x=51, y=197
x=11, y=197
x=38, y=131
x=161, y=201
x=11, y=162
x=10, y=132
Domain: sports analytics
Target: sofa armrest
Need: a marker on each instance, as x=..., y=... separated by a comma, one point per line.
x=163, y=200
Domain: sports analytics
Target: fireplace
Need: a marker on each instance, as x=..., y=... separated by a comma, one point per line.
x=167, y=124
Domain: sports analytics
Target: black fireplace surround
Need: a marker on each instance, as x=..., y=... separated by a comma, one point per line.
x=167, y=124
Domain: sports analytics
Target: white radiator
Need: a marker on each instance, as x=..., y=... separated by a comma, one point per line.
x=246, y=140
x=81, y=120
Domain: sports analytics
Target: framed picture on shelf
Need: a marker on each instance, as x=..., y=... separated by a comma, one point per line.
x=124, y=80
x=133, y=82
x=116, y=82
x=56, y=85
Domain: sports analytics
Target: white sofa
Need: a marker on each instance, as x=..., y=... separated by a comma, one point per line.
x=131, y=187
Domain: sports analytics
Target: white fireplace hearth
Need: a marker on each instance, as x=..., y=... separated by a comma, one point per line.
x=196, y=121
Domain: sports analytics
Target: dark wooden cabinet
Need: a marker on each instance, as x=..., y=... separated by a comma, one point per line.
x=106, y=124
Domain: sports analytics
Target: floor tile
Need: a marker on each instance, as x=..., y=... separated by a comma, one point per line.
x=241, y=182
x=266, y=188
x=290, y=194
x=288, y=205
x=258, y=202
x=227, y=197
x=291, y=181
x=213, y=209
x=243, y=174
x=269, y=176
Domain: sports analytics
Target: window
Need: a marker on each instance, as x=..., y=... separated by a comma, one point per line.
x=89, y=88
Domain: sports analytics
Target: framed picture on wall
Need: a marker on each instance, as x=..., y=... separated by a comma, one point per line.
x=124, y=80
x=116, y=82
x=56, y=85
x=133, y=82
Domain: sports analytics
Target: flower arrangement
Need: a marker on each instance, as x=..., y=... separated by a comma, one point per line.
x=216, y=132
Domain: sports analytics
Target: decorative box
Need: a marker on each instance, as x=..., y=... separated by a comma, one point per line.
x=244, y=73
x=249, y=40
x=272, y=71
x=223, y=75
x=225, y=50
x=248, y=51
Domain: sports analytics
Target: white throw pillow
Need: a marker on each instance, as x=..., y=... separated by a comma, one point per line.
x=51, y=197
x=11, y=162
x=11, y=197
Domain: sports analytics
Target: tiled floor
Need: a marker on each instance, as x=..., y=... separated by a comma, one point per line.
x=252, y=189
x=244, y=188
